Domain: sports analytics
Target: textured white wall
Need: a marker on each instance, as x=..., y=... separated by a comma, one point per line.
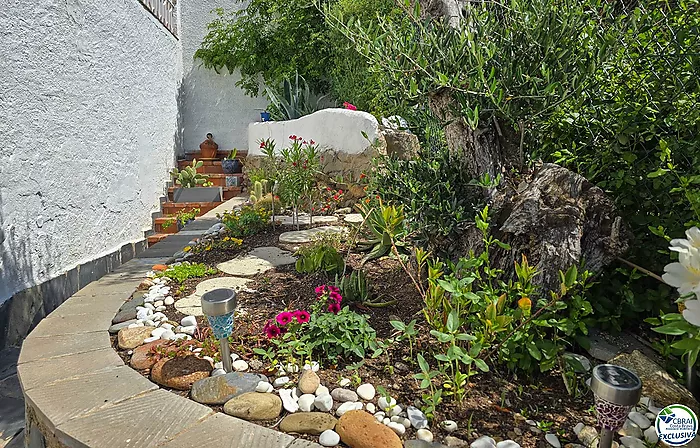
x=88, y=119
x=210, y=101
x=338, y=129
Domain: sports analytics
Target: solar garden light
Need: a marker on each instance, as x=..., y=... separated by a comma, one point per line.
x=218, y=305
x=616, y=391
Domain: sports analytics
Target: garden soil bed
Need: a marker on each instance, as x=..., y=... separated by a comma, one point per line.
x=496, y=404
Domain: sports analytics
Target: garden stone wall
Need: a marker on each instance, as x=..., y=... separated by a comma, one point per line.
x=89, y=120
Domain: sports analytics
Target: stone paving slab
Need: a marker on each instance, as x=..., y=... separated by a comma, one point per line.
x=45, y=371
x=35, y=349
x=224, y=431
x=306, y=236
x=66, y=399
x=72, y=324
x=142, y=422
x=258, y=260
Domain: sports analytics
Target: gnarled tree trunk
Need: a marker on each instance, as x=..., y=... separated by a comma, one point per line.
x=554, y=216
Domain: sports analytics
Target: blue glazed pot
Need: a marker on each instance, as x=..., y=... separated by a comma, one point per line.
x=264, y=116
x=231, y=166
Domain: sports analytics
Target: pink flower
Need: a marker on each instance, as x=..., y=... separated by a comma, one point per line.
x=349, y=106
x=334, y=289
x=313, y=142
x=303, y=316
x=272, y=331
x=334, y=308
x=320, y=290
x=284, y=318
x=336, y=297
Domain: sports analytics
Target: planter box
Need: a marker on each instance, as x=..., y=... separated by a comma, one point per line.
x=198, y=194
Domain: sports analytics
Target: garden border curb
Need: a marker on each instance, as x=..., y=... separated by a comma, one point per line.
x=79, y=393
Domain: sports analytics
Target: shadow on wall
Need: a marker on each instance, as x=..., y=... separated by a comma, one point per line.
x=24, y=309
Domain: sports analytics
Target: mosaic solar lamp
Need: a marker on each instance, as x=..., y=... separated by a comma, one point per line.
x=218, y=305
x=616, y=391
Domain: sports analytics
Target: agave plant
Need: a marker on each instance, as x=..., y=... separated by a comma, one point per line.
x=188, y=177
x=292, y=100
x=386, y=229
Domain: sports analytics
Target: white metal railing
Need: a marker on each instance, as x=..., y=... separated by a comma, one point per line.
x=165, y=11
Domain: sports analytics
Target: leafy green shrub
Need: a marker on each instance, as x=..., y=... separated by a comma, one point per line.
x=320, y=256
x=246, y=222
x=526, y=329
x=292, y=101
x=185, y=270
x=386, y=229
x=438, y=197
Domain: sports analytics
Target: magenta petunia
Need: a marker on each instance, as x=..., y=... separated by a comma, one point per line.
x=334, y=308
x=303, y=316
x=334, y=296
x=284, y=318
x=334, y=289
x=320, y=290
x=272, y=331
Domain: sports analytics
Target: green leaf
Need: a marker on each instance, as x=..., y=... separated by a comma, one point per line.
x=453, y=321
x=481, y=365
x=687, y=344
x=672, y=329
x=571, y=276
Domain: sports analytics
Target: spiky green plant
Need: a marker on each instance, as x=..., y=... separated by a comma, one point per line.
x=293, y=100
x=188, y=177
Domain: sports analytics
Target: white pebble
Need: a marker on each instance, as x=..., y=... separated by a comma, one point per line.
x=306, y=402
x=218, y=372
x=322, y=390
x=384, y=404
x=396, y=410
x=345, y=407
x=366, y=391
x=651, y=436
x=168, y=334
x=240, y=366
x=402, y=420
x=386, y=421
x=281, y=381
x=150, y=323
x=424, y=434
x=158, y=332
x=210, y=359
x=344, y=382
x=289, y=403
x=314, y=366
x=263, y=387
x=188, y=321
x=168, y=301
x=149, y=306
x=329, y=438
x=449, y=426
x=398, y=428
x=151, y=339
x=324, y=403
x=160, y=308
x=371, y=408
x=552, y=440
x=136, y=325
x=188, y=330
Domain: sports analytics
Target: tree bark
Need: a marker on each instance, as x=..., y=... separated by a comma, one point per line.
x=553, y=216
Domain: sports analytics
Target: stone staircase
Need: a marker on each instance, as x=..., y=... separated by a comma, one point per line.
x=165, y=223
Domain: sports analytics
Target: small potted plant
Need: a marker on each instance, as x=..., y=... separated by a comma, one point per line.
x=231, y=165
x=194, y=186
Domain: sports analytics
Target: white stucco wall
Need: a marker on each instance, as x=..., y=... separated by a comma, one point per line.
x=210, y=101
x=88, y=119
x=338, y=129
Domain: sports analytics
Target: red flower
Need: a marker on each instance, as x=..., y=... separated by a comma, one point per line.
x=262, y=144
x=336, y=297
x=272, y=331
x=303, y=316
x=363, y=175
x=284, y=318
x=334, y=307
x=349, y=106
x=312, y=142
x=340, y=191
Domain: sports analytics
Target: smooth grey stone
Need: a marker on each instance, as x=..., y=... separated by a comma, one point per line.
x=114, y=329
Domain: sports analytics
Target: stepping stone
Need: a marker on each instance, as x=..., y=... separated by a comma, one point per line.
x=192, y=304
x=286, y=220
x=354, y=218
x=258, y=260
x=306, y=236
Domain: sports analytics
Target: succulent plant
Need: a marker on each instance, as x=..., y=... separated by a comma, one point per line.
x=188, y=177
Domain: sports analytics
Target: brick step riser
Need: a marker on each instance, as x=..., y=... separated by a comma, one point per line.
x=171, y=229
x=219, y=155
x=153, y=239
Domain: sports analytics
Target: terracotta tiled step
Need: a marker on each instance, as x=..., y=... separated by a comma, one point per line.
x=219, y=155
x=171, y=208
x=219, y=180
x=229, y=192
x=153, y=239
x=158, y=224
x=208, y=166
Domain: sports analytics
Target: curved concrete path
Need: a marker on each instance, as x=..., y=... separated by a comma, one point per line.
x=79, y=393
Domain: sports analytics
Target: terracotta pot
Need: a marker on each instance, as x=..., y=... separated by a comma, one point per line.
x=208, y=150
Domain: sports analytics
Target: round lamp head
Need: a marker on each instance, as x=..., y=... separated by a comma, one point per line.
x=219, y=302
x=616, y=391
